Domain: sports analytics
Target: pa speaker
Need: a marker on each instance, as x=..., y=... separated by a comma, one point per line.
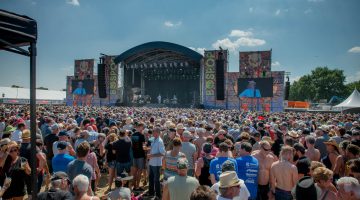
x=220, y=83
x=287, y=90
x=101, y=81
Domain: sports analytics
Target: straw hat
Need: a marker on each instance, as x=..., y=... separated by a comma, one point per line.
x=229, y=179
x=293, y=134
x=180, y=127
x=333, y=143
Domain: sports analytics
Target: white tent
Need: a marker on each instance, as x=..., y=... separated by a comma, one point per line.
x=353, y=101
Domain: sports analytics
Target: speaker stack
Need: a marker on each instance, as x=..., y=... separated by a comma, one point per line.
x=220, y=76
x=101, y=81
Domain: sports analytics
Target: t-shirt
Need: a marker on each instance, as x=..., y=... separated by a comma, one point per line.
x=61, y=161
x=25, y=150
x=243, y=193
x=248, y=170
x=303, y=165
x=77, y=167
x=55, y=194
x=187, y=184
x=171, y=164
x=137, y=140
x=48, y=141
x=122, y=192
x=16, y=136
x=215, y=166
x=110, y=156
x=189, y=150
x=122, y=148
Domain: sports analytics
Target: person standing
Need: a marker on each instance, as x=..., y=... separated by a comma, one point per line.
x=312, y=153
x=203, y=165
x=190, y=152
x=63, y=136
x=79, y=165
x=229, y=186
x=156, y=155
x=122, y=150
x=303, y=163
x=265, y=161
x=171, y=158
x=81, y=186
x=248, y=169
x=48, y=141
x=62, y=159
x=215, y=164
x=187, y=183
x=59, y=189
x=283, y=175
x=138, y=142
x=16, y=135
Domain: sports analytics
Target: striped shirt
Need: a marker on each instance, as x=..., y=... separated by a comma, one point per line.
x=171, y=164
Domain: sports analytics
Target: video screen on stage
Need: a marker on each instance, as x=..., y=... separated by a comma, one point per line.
x=255, y=87
x=83, y=87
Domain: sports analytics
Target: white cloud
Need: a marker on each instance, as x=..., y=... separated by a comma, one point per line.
x=316, y=1
x=277, y=12
x=354, y=50
x=308, y=11
x=240, y=33
x=250, y=42
x=353, y=77
x=171, y=24
x=294, y=78
x=73, y=2
x=251, y=9
x=199, y=50
x=275, y=64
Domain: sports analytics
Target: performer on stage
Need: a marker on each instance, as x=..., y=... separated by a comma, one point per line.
x=251, y=91
x=159, y=99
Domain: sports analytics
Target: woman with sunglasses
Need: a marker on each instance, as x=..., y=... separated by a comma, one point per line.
x=323, y=178
x=18, y=169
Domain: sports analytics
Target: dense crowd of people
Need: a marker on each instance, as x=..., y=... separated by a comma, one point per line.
x=179, y=154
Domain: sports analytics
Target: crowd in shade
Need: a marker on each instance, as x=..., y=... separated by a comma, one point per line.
x=179, y=154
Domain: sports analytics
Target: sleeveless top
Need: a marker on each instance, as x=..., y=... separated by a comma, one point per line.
x=204, y=178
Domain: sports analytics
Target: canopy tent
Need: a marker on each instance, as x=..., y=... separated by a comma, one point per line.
x=18, y=31
x=353, y=101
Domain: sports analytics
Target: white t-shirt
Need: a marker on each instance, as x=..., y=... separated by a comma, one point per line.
x=244, y=193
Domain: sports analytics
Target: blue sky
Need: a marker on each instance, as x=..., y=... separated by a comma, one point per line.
x=303, y=34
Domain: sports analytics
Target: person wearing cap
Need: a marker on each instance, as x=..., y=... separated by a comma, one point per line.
x=16, y=135
x=311, y=152
x=229, y=186
x=63, y=137
x=8, y=130
x=306, y=189
x=62, y=159
x=190, y=152
x=283, y=175
x=248, y=168
x=215, y=164
x=120, y=191
x=202, y=165
x=266, y=159
x=60, y=185
x=48, y=141
x=187, y=183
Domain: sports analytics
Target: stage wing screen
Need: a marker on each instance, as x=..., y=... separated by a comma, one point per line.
x=255, y=87
x=83, y=87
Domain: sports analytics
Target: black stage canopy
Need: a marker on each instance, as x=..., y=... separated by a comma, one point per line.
x=18, y=31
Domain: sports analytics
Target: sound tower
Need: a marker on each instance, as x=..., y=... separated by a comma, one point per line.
x=287, y=90
x=220, y=73
x=101, y=81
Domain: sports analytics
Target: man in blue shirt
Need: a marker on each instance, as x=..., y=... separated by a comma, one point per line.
x=62, y=159
x=215, y=164
x=251, y=91
x=248, y=168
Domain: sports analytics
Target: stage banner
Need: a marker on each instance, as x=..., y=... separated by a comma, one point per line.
x=233, y=100
x=209, y=90
x=277, y=101
x=112, y=77
x=84, y=69
x=255, y=64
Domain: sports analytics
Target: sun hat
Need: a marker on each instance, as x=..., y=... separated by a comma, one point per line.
x=59, y=175
x=9, y=129
x=180, y=127
x=333, y=143
x=293, y=134
x=228, y=179
x=306, y=189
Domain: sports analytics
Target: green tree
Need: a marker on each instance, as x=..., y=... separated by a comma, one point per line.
x=322, y=83
x=16, y=86
x=42, y=88
x=351, y=86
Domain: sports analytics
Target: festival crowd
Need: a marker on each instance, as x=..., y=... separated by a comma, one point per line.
x=179, y=154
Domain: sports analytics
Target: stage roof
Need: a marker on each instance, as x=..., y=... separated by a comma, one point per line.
x=158, y=51
x=353, y=101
